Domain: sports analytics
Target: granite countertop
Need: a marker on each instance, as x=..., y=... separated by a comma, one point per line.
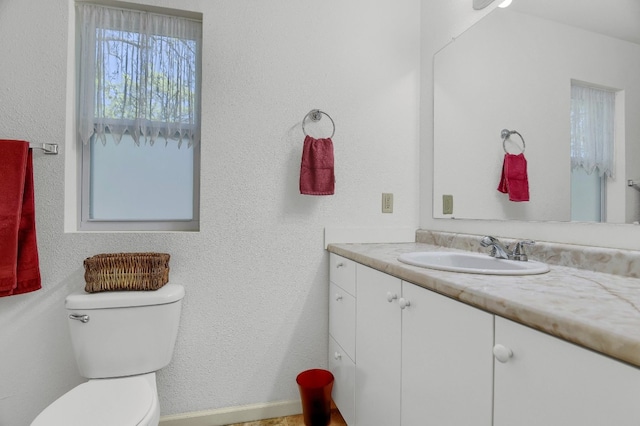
x=600, y=311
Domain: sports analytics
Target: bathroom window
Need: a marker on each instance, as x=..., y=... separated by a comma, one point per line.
x=592, y=150
x=138, y=119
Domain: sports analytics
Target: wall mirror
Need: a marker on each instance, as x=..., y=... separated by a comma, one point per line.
x=514, y=70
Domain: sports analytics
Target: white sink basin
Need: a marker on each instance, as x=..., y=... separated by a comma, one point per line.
x=472, y=263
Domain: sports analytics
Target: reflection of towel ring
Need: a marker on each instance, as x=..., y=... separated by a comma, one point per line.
x=506, y=134
x=316, y=115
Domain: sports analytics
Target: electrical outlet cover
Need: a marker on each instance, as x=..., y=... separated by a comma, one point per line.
x=387, y=202
x=447, y=204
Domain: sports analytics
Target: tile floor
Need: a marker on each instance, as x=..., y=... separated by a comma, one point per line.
x=336, y=420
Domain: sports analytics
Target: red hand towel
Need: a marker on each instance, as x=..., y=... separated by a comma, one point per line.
x=316, y=169
x=514, y=179
x=19, y=268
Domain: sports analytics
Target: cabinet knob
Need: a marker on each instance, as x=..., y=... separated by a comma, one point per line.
x=338, y=297
x=404, y=303
x=340, y=265
x=502, y=353
x=337, y=356
x=391, y=297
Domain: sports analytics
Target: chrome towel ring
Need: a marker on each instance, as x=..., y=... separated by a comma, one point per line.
x=506, y=134
x=316, y=115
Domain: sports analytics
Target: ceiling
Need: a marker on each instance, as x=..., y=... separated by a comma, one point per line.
x=615, y=18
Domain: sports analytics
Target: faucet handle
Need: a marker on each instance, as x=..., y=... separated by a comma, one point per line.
x=488, y=240
x=519, y=252
x=498, y=250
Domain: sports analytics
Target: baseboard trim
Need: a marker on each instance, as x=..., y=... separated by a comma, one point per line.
x=231, y=415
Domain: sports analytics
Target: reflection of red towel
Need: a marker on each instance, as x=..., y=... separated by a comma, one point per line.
x=316, y=170
x=514, y=180
x=19, y=268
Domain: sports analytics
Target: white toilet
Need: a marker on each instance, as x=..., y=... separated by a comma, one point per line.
x=120, y=339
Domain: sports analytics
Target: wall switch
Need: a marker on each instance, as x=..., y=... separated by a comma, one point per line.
x=447, y=204
x=387, y=203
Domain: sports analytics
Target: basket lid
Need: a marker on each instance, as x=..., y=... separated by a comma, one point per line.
x=168, y=293
x=104, y=402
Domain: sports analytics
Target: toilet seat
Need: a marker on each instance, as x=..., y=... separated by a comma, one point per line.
x=101, y=402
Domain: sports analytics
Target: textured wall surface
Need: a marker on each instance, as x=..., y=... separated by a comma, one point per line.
x=255, y=313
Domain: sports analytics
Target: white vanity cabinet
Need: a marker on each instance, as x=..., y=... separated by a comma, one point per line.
x=548, y=381
x=420, y=356
x=407, y=356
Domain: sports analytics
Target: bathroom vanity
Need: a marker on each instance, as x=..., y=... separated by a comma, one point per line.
x=412, y=346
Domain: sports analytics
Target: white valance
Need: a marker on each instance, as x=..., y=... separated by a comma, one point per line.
x=139, y=74
x=592, y=129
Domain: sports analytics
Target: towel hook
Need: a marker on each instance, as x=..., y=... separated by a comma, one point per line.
x=506, y=134
x=316, y=115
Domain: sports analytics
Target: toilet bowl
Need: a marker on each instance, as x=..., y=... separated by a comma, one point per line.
x=105, y=402
x=120, y=339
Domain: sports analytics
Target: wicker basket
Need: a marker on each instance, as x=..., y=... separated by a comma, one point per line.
x=126, y=271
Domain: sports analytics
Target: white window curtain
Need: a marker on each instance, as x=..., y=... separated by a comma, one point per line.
x=592, y=129
x=138, y=75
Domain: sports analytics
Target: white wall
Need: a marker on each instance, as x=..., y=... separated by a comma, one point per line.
x=442, y=20
x=256, y=274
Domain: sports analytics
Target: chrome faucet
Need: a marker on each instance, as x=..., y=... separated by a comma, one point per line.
x=501, y=251
x=498, y=250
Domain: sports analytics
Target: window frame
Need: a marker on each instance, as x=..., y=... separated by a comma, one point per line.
x=85, y=222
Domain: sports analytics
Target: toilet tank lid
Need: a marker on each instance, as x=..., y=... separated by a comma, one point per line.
x=169, y=293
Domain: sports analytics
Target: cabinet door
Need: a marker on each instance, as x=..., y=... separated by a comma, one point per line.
x=548, y=381
x=342, y=319
x=447, y=361
x=344, y=373
x=377, y=348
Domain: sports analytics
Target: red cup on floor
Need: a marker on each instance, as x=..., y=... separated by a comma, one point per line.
x=315, y=392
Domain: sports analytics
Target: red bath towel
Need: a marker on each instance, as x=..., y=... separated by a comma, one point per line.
x=316, y=170
x=19, y=266
x=514, y=179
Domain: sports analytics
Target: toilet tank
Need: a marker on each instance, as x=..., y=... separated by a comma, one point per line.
x=124, y=333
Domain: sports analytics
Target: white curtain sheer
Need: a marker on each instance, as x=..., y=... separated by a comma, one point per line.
x=138, y=75
x=592, y=129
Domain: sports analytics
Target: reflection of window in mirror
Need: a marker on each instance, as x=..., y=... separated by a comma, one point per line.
x=592, y=150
